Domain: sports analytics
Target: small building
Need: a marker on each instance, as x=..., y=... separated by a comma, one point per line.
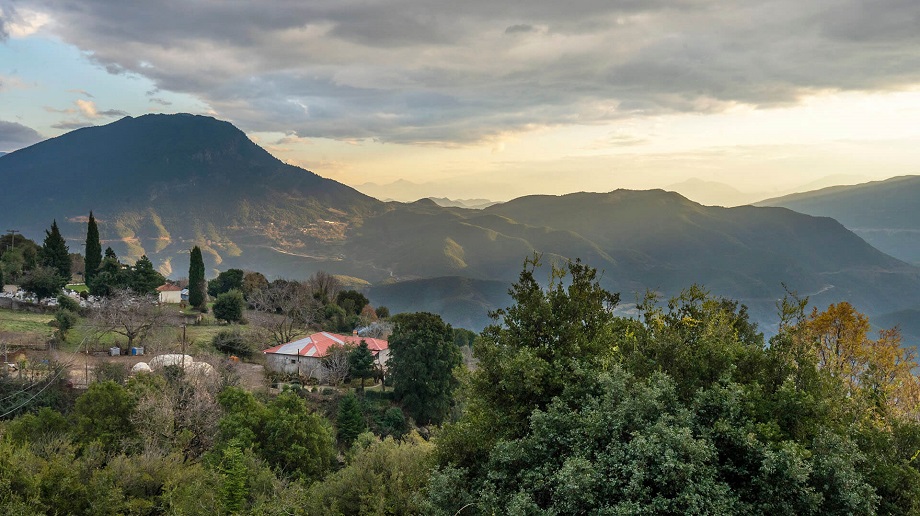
x=304, y=356
x=169, y=294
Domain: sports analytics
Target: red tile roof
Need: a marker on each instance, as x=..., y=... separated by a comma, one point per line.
x=318, y=344
x=169, y=287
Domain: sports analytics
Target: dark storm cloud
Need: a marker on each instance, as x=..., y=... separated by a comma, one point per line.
x=14, y=136
x=455, y=72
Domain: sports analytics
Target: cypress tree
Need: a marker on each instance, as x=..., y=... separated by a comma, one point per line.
x=197, y=286
x=54, y=252
x=93, y=258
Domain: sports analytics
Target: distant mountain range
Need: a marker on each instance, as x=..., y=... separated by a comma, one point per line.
x=160, y=184
x=884, y=213
x=473, y=204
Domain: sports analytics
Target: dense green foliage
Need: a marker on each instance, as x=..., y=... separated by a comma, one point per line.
x=361, y=362
x=230, y=279
x=421, y=364
x=350, y=420
x=54, y=252
x=93, y=251
x=197, y=285
x=113, y=276
x=229, y=306
x=685, y=410
x=570, y=409
x=144, y=279
x=43, y=281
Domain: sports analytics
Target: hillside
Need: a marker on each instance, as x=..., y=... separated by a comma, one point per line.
x=885, y=213
x=160, y=184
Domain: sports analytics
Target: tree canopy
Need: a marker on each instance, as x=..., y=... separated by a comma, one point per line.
x=422, y=361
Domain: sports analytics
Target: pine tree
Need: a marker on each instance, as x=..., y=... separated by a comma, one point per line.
x=54, y=252
x=93, y=258
x=361, y=362
x=350, y=421
x=144, y=278
x=197, y=286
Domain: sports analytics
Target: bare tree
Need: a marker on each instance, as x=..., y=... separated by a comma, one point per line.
x=323, y=286
x=284, y=309
x=128, y=314
x=336, y=364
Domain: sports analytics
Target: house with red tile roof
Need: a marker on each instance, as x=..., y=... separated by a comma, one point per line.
x=304, y=356
x=169, y=293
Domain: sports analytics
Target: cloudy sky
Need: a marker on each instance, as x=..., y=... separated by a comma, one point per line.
x=493, y=99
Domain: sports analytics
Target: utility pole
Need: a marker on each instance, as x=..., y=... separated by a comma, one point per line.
x=183, y=349
x=12, y=233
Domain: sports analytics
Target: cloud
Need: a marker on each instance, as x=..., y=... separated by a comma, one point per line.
x=162, y=102
x=82, y=92
x=413, y=71
x=14, y=135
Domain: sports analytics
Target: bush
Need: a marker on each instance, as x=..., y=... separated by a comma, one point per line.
x=65, y=320
x=229, y=306
x=66, y=302
x=233, y=342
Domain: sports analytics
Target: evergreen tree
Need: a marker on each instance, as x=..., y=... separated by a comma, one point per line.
x=110, y=276
x=422, y=361
x=361, y=362
x=54, y=252
x=197, y=286
x=350, y=420
x=93, y=258
x=144, y=278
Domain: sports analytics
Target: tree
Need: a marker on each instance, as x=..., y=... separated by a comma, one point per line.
x=361, y=362
x=351, y=301
x=93, y=251
x=54, y=252
x=298, y=444
x=422, y=361
x=103, y=413
x=144, y=278
x=336, y=364
x=253, y=281
x=197, y=286
x=128, y=314
x=230, y=279
x=229, y=306
x=110, y=276
x=324, y=286
x=283, y=308
x=350, y=420
x=43, y=282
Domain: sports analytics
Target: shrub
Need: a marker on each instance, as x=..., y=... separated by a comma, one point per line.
x=233, y=342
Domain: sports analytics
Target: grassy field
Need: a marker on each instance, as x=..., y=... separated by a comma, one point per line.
x=78, y=287
x=25, y=328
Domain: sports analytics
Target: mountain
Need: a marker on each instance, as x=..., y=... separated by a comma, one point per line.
x=642, y=240
x=885, y=213
x=712, y=193
x=463, y=302
x=160, y=184
x=472, y=204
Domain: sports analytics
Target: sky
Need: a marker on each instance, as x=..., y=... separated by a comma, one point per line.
x=731, y=100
